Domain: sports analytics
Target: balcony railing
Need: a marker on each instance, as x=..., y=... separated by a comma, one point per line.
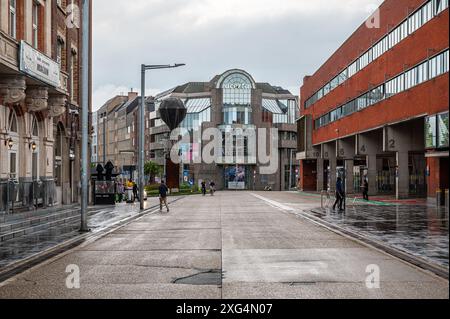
x=9, y=51
x=9, y=56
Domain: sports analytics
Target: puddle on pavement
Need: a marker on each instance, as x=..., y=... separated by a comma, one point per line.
x=419, y=230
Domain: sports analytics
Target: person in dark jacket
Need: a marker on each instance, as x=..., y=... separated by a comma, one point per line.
x=163, y=190
x=135, y=192
x=212, y=187
x=366, y=189
x=339, y=195
x=204, y=188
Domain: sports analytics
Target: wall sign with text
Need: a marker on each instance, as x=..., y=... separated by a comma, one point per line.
x=38, y=65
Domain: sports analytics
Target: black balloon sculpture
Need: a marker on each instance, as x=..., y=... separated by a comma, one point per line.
x=173, y=112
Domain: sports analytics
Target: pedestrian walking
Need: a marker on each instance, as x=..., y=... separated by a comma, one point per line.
x=129, y=191
x=340, y=194
x=366, y=189
x=204, y=188
x=163, y=190
x=120, y=191
x=135, y=192
x=212, y=187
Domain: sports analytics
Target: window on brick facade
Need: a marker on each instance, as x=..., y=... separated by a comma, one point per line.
x=415, y=21
x=59, y=51
x=13, y=18
x=73, y=68
x=35, y=24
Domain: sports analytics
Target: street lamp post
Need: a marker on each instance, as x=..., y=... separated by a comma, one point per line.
x=85, y=112
x=141, y=156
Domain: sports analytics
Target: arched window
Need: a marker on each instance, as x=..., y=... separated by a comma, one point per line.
x=12, y=122
x=237, y=99
x=237, y=91
x=35, y=127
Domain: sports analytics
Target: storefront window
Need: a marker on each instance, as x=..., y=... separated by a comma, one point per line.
x=430, y=132
x=443, y=129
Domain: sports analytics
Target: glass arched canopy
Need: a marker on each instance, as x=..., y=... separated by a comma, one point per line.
x=237, y=97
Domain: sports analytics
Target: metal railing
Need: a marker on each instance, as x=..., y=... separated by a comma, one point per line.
x=30, y=195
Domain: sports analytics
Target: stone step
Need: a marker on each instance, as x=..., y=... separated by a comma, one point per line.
x=36, y=220
x=19, y=216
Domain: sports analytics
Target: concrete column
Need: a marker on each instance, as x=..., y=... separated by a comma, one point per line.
x=333, y=178
x=402, y=179
x=349, y=178
x=320, y=169
x=372, y=174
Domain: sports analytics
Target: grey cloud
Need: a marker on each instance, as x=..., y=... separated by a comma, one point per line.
x=280, y=50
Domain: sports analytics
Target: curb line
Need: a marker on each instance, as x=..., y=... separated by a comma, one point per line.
x=23, y=265
x=414, y=260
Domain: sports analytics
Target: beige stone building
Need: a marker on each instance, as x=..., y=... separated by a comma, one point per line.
x=40, y=54
x=116, y=132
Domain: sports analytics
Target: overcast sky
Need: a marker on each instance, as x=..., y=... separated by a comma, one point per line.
x=277, y=41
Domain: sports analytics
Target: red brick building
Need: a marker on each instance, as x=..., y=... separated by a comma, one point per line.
x=377, y=109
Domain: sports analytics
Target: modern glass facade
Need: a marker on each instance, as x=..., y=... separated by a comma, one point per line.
x=231, y=103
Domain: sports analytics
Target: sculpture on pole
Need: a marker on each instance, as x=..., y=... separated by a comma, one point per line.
x=173, y=112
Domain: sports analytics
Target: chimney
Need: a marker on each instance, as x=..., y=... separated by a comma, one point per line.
x=132, y=95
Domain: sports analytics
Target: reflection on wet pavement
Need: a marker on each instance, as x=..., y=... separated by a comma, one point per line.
x=26, y=246
x=419, y=230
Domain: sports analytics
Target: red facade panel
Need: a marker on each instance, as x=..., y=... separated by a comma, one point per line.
x=392, y=12
x=429, y=97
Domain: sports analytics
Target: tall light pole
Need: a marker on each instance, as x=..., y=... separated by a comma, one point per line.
x=141, y=155
x=85, y=58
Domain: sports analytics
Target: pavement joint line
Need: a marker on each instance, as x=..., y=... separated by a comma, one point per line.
x=24, y=266
x=413, y=261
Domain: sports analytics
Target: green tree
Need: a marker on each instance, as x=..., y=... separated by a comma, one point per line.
x=152, y=169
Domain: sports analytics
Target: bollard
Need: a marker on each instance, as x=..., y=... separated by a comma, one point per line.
x=439, y=198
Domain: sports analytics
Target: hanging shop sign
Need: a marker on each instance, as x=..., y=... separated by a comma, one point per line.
x=38, y=65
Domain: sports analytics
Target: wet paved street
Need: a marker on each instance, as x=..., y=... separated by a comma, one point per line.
x=416, y=229
x=23, y=247
x=233, y=245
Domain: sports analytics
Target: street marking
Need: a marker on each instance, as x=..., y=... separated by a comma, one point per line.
x=274, y=203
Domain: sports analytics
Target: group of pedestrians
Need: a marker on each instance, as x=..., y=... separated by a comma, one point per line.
x=340, y=193
x=212, y=188
x=128, y=188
